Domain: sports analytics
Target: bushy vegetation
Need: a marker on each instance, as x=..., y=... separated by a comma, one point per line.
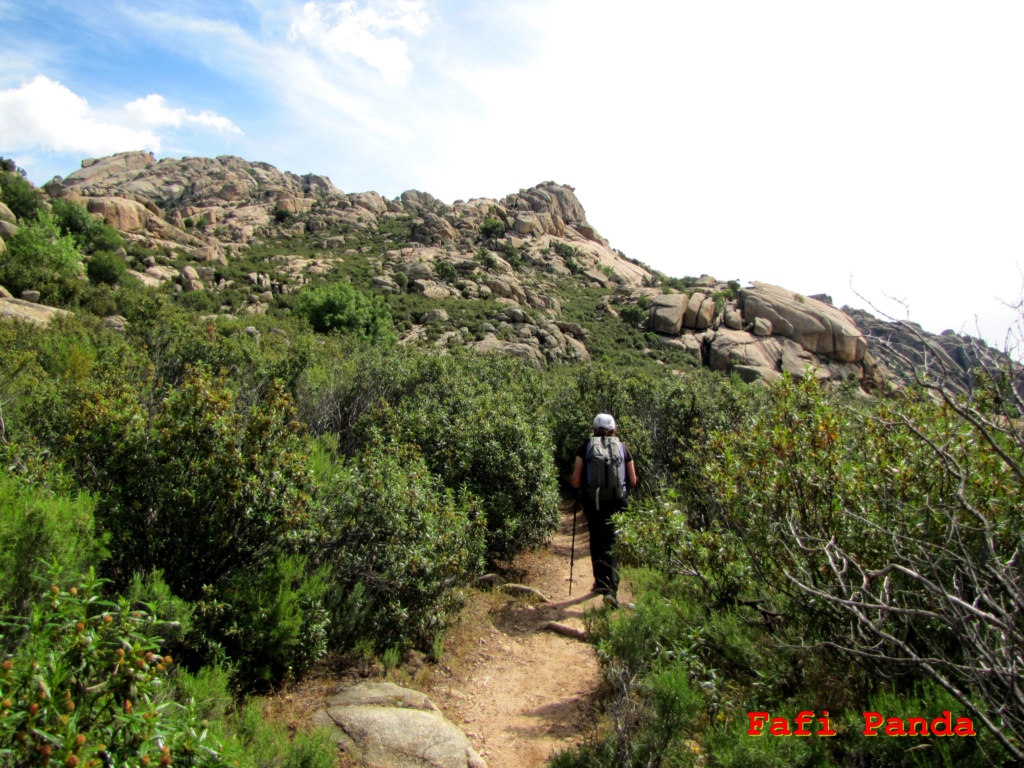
x=106, y=267
x=492, y=228
x=90, y=233
x=818, y=553
x=339, y=306
x=39, y=257
x=24, y=200
x=254, y=498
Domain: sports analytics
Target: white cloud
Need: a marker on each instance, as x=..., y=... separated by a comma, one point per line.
x=46, y=114
x=319, y=98
x=365, y=32
x=153, y=110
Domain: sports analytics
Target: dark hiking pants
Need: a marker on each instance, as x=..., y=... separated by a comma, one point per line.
x=602, y=538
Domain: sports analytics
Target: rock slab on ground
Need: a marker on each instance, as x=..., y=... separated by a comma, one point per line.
x=18, y=309
x=383, y=725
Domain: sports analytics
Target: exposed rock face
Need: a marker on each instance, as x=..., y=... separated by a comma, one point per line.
x=19, y=309
x=200, y=205
x=729, y=350
x=762, y=333
x=667, y=313
x=381, y=725
x=434, y=231
x=817, y=327
x=904, y=346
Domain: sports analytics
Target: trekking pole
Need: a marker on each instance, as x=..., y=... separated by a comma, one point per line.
x=572, y=557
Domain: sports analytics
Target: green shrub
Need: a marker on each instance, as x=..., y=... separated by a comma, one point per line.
x=504, y=459
x=40, y=258
x=632, y=314
x=399, y=542
x=247, y=737
x=106, y=267
x=225, y=485
x=446, y=271
x=511, y=254
x=339, y=306
x=35, y=525
x=402, y=280
x=87, y=681
x=89, y=232
x=18, y=194
x=270, y=622
x=97, y=299
x=262, y=744
x=492, y=228
x=485, y=258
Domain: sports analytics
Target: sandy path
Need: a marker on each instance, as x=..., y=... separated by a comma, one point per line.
x=528, y=693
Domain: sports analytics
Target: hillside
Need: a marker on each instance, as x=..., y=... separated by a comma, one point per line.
x=527, y=275
x=266, y=438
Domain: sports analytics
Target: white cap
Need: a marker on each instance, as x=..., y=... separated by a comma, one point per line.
x=604, y=421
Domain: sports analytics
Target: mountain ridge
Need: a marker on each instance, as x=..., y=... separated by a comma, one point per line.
x=189, y=222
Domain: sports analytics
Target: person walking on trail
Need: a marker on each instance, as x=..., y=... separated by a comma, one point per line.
x=604, y=473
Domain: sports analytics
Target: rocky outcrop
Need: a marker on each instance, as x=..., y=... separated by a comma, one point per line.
x=667, y=313
x=194, y=215
x=816, y=326
x=760, y=332
x=29, y=311
x=381, y=725
x=905, y=350
x=434, y=231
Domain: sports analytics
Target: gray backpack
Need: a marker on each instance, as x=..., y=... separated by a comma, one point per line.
x=606, y=469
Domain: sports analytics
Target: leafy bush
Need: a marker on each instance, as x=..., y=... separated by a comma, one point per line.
x=18, y=194
x=400, y=542
x=270, y=621
x=90, y=233
x=246, y=736
x=485, y=258
x=511, y=254
x=446, y=271
x=87, y=682
x=492, y=228
x=106, y=267
x=632, y=314
x=503, y=459
x=339, y=306
x=225, y=486
x=435, y=402
x=39, y=525
x=40, y=258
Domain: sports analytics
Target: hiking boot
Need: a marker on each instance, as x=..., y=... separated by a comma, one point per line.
x=611, y=601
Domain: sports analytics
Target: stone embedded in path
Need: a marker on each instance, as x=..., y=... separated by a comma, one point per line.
x=383, y=725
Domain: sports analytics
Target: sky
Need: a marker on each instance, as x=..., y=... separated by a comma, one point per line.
x=873, y=151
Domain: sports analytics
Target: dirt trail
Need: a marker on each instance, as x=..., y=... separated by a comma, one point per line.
x=528, y=693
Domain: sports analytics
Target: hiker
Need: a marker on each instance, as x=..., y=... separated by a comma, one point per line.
x=604, y=473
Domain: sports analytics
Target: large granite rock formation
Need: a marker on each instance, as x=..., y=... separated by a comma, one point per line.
x=196, y=215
